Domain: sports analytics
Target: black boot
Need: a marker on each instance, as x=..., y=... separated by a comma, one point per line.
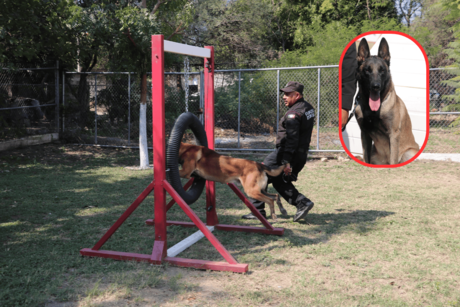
x=251, y=216
x=303, y=207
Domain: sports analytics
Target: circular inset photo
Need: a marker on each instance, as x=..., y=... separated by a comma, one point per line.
x=384, y=99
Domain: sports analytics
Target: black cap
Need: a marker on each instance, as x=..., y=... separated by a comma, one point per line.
x=293, y=86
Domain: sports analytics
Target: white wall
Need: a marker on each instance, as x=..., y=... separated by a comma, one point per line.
x=408, y=70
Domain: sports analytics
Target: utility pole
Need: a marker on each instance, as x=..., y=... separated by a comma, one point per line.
x=143, y=145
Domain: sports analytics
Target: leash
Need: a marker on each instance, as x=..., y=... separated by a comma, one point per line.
x=352, y=112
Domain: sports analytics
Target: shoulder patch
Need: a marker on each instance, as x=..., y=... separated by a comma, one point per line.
x=291, y=116
x=310, y=114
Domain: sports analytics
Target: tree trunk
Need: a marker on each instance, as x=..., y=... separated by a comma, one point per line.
x=83, y=101
x=143, y=148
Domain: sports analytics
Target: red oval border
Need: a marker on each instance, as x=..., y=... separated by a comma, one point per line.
x=427, y=100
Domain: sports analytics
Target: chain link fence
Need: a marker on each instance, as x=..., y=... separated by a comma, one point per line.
x=103, y=108
x=444, y=115
x=248, y=106
x=29, y=102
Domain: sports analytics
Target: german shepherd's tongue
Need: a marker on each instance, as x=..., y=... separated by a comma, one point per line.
x=374, y=100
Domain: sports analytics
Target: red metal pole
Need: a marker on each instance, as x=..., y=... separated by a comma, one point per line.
x=186, y=186
x=151, y=222
x=201, y=226
x=124, y=216
x=250, y=206
x=211, y=214
x=159, y=150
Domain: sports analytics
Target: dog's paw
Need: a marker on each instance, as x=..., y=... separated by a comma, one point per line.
x=274, y=218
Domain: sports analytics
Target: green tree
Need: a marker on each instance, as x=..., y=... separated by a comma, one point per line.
x=304, y=19
x=408, y=10
x=453, y=51
x=36, y=31
x=322, y=28
x=131, y=50
x=432, y=29
x=87, y=33
x=238, y=30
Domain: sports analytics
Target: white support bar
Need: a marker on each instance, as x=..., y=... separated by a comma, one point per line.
x=186, y=49
x=187, y=242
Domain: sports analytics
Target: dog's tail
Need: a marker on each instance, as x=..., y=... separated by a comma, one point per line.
x=271, y=171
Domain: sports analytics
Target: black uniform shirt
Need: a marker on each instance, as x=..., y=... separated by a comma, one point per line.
x=349, y=66
x=295, y=128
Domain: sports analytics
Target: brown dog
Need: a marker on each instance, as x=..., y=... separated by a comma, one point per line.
x=210, y=165
x=386, y=129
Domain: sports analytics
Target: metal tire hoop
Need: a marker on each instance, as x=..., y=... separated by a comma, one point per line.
x=183, y=122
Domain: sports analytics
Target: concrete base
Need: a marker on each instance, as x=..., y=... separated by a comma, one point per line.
x=28, y=141
x=187, y=242
x=439, y=157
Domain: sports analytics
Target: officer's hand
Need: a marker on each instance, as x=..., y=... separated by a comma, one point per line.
x=288, y=169
x=289, y=178
x=344, y=116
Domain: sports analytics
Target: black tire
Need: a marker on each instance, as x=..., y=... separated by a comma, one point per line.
x=183, y=122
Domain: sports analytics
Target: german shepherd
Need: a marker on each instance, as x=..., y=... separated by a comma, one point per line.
x=386, y=129
x=210, y=165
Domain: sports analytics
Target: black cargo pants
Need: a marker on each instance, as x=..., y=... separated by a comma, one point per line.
x=283, y=186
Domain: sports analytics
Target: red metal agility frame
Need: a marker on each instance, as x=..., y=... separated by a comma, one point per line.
x=161, y=186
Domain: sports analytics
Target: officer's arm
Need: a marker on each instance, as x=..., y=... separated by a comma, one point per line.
x=349, y=66
x=292, y=125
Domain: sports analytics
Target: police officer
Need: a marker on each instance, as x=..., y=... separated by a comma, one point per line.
x=349, y=67
x=292, y=144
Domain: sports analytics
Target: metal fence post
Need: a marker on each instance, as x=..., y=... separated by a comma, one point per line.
x=56, y=94
x=202, y=96
x=95, y=109
x=63, y=100
x=317, y=112
x=239, y=106
x=277, y=100
x=129, y=108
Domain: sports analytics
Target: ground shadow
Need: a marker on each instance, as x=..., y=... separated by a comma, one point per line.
x=323, y=227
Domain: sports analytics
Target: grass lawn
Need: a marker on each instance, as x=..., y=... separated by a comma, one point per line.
x=381, y=237
x=443, y=140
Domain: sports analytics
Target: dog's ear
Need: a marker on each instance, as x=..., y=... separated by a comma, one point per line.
x=363, y=51
x=384, y=51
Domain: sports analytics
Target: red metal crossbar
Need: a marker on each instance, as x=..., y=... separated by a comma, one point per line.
x=269, y=229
